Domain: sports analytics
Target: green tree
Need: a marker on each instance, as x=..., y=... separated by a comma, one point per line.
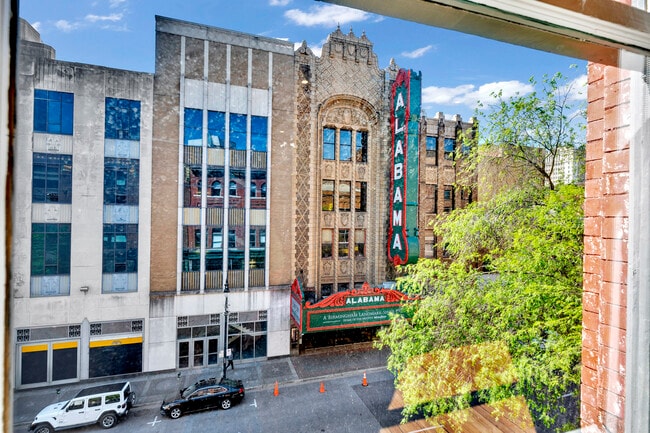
x=512, y=291
x=521, y=139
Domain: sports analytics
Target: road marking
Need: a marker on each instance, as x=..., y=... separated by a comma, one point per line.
x=254, y=403
x=154, y=422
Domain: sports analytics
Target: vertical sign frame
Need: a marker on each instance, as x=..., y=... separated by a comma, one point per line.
x=403, y=243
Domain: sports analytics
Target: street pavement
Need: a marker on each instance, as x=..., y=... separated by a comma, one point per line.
x=152, y=387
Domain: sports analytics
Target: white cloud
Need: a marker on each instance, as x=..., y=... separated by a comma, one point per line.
x=95, y=18
x=116, y=3
x=417, y=53
x=37, y=26
x=66, y=26
x=577, y=88
x=279, y=2
x=469, y=95
x=326, y=15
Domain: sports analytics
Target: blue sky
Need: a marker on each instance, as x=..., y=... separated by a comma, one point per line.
x=457, y=69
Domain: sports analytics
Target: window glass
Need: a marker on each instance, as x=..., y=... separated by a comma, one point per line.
x=359, y=243
x=344, y=195
x=325, y=290
x=94, y=401
x=450, y=145
x=361, y=146
x=343, y=243
x=360, y=192
x=326, y=243
x=237, y=187
x=237, y=131
x=112, y=398
x=77, y=404
x=345, y=145
x=121, y=181
x=328, y=143
x=53, y=112
x=236, y=247
x=432, y=144
x=50, y=249
x=193, y=127
x=328, y=195
x=51, y=178
x=120, y=248
x=192, y=185
x=216, y=128
x=122, y=119
x=191, y=253
x=259, y=133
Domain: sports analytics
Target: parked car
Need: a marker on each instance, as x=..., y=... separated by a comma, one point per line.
x=103, y=404
x=205, y=394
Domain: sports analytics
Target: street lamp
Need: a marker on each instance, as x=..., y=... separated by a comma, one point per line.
x=225, y=340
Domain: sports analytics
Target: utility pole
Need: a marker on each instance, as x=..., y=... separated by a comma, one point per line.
x=226, y=290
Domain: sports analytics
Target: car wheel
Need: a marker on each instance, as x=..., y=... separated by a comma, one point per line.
x=43, y=428
x=108, y=420
x=131, y=400
x=226, y=403
x=175, y=412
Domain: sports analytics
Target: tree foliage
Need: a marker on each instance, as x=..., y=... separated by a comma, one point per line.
x=515, y=280
x=522, y=137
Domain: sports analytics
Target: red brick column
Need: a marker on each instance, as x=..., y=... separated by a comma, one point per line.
x=605, y=256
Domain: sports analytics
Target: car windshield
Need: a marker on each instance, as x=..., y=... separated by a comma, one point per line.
x=188, y=391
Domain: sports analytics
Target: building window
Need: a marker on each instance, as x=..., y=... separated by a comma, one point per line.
x=193, y=130
x=432, y=148
x=329, y=135
x=344, y=195
x=343, y=287
x=191, y=253
x=359, y=243
x=259, y=128
x=53, y=112
x=325, y=290
x=233, y=188
x=343, y=243
x=450, y=145
x=435, y=199
x=237, y=131
x=257, y=248
x=121, y=181
x=122, y=119
x=253, y=189
x=50, y=249
x=361, y=146
x=120, y=248
x=232, y=238
x=217, y=239
x=326, y=243
x=328, y=195
x=263, y=189
x=360, y=192
x=345, y=145
x=216, y=189
x=52, y=178
x=216, y=128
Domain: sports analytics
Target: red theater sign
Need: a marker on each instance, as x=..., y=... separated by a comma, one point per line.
x=356, y=308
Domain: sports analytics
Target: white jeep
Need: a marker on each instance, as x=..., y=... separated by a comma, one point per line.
x=103, y=404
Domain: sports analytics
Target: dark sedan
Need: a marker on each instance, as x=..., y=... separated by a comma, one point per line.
x=203, y=395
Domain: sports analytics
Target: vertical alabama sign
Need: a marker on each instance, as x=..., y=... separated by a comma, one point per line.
x=403, y=244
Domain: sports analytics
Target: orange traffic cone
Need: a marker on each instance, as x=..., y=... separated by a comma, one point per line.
x=364, y=382
x=276, y=391
x=322, y=387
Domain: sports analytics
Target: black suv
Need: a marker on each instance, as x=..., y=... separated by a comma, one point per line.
x=205, y=394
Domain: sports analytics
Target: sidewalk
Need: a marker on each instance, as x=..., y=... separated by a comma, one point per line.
x=152, y=387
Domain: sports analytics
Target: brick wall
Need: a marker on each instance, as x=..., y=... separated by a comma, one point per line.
x=605, y=257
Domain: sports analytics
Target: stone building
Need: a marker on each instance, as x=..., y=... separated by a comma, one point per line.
x=238, y=166
x=81, y=211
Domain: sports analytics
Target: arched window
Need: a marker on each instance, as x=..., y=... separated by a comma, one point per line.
x=233, y=188
x=263, y=189
x=253, y=189
x=216, y=189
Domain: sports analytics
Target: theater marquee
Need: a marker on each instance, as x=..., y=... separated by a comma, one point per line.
x=403, y=243
x=356, y=308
